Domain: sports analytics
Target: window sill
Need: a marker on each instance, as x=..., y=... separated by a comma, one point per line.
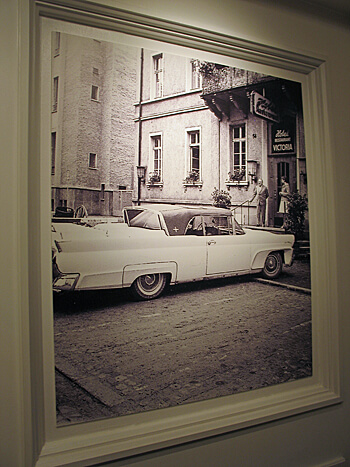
x=155, y=185
x=237, y=183
x=197, y=184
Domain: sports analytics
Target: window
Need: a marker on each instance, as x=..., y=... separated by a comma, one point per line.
x=195, y=226
x=218, y=225
x=158, y=75
x=57, y=43
x=92, y=161
x=55, y=94
x=94, y=93
x=239, y=172
x=53, y=152
x=195, y=75
x=194, y=149
x=156, y=154
x=145, y=220
x=95, y=71
x=212, y=225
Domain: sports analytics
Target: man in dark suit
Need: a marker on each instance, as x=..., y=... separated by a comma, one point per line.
x=261, y=192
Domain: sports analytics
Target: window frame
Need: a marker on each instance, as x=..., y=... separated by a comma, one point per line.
x=94, y=166
x=95, y=89
x=55, y=90
x=53, y=151
x=194, y=77
x=157, y=75
x=240, y=153
x=157, y=171
x=57, y=43
x=190, y=169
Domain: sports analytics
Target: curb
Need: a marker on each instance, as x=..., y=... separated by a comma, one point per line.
x=287, y=286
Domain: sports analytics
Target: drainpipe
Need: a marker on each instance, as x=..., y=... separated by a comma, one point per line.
x=140, y=127
x=219, y=148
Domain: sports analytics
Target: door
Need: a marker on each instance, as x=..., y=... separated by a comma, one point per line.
x=228, y=249
x=279, y=167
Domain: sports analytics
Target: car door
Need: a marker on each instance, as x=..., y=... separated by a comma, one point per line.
x=228, y=248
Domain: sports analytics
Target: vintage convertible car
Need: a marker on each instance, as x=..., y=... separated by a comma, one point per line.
x=163, y=244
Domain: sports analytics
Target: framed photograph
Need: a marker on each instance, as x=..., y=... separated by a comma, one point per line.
x=164, y=151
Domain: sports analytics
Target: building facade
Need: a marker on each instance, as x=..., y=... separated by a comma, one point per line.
x=203, y=126
x=92, y=129
x=174, y=126
x=262, y=132
x=189, y=126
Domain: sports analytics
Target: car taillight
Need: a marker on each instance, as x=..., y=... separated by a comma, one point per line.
x=65, y=282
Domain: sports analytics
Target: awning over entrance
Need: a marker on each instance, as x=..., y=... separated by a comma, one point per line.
x=280, y=94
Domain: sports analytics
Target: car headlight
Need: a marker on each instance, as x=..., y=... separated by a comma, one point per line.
x=65, y=282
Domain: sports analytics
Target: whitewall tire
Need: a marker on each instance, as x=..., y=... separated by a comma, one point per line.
x=149, y=286
x=273, y=265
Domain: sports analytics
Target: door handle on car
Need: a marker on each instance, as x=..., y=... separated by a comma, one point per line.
x=211, y=242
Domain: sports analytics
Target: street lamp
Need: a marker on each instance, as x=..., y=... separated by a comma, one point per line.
x=141, y=172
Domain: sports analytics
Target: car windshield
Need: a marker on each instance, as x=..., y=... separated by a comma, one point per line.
x=145, y=220
x=218, y=225
x=238, y=229
x=213, y=225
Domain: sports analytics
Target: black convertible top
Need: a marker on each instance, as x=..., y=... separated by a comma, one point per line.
x=176, y=217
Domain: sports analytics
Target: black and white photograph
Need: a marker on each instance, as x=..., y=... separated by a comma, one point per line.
x=180, y=229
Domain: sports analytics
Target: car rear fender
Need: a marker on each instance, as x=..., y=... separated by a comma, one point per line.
x=132, y=271
x=260, y=257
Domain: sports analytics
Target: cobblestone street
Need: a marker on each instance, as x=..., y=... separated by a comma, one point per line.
x=210, y=339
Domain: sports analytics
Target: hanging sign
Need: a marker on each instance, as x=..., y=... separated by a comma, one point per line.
x=263, y=107
x=283, y=138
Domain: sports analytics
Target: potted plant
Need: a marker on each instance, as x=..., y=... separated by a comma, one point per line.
x=221, y=198
x=295, y=215
x=153, y=178
x=237, y=176
x=192, y=177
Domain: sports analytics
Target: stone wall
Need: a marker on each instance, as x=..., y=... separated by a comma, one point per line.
x=103, y=125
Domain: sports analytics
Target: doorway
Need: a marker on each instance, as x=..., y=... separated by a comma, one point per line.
x=279, y=167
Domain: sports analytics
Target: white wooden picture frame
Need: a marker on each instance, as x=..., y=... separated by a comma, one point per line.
x=139, y=433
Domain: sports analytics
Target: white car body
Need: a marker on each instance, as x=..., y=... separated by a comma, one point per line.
x=157, y=242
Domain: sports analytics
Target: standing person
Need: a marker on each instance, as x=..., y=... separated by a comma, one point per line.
x=283, y=208
x=262, y=194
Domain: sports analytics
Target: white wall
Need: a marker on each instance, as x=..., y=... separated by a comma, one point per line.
x=315, y=438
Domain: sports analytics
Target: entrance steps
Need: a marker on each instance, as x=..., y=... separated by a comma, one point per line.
x=302, y=249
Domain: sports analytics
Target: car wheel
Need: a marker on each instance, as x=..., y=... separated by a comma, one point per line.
x=273, y=265
x=148, y=286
